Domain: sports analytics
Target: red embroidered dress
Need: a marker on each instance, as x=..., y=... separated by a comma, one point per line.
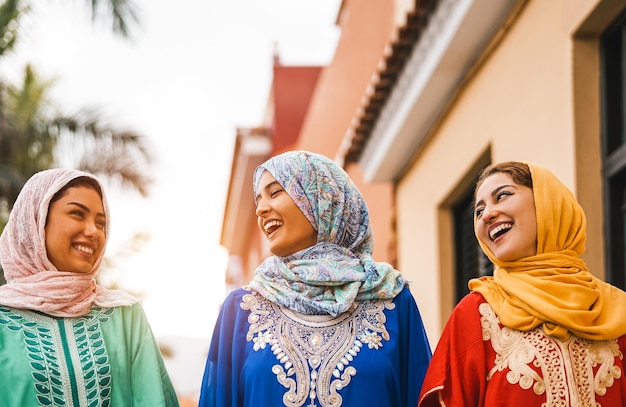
x=478, y=362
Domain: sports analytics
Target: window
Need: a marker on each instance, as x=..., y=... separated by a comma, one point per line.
x=470, y=261
x=613, y=49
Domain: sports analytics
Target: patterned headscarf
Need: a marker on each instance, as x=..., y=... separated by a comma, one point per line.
x=330, y=276
x=553, y=289
x=33, y=282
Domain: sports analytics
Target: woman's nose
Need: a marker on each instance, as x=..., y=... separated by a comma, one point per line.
x=90, y=228
x=489, y=212
x=261, y=207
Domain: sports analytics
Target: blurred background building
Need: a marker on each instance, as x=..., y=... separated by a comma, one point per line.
x=422, y=94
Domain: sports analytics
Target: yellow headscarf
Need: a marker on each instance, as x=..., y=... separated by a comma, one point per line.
x=554, y=289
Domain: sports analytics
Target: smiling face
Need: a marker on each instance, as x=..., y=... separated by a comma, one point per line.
x=75, y=230
x=280, y=219
x=504, y=217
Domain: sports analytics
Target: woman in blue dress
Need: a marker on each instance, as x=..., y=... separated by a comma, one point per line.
x=321, y=323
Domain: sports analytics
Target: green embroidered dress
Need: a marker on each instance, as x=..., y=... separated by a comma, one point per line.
x=108, y=357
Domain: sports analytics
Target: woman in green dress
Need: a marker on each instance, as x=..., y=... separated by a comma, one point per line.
x=64, y=339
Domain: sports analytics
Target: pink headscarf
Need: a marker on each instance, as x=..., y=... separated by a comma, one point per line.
x=33, y=282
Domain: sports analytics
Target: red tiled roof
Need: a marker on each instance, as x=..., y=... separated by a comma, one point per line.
x=395, y=59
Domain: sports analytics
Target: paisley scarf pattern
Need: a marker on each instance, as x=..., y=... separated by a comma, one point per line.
x=329, y=277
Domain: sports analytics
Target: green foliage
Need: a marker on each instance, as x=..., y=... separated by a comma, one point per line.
x=10, y=11
x=123, y=13
x=123, y=16
x=34, y=135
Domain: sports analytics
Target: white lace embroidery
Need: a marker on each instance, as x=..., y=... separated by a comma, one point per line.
x=314, y=351
x=566, y=368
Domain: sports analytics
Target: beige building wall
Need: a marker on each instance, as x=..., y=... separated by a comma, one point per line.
x=534, y=96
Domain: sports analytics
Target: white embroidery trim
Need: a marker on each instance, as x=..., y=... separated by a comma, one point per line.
x=566, y=367
x=314, y=351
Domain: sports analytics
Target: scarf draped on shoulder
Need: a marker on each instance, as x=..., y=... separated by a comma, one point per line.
x=329, y=277
x=554, y=289
x=33, y=282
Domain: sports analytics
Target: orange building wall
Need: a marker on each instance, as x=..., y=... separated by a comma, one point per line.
x=366, y=28
x=292, y=89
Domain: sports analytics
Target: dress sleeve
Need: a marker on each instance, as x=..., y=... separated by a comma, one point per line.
x=151, y=384
x=220, y=383
x=457, y=373
x=415, y=352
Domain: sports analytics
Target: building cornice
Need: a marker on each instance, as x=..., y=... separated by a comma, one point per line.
x=411, y=91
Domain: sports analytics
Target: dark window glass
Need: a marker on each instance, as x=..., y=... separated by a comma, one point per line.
x=470, y=261
x=613, y=51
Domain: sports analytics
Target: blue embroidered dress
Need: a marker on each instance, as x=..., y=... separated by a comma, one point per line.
x=326, y=325
x=108, y=357
x=265, y=355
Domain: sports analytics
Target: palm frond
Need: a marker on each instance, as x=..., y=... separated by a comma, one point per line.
x=123, y=14
x=86, y=142
x=10, y=12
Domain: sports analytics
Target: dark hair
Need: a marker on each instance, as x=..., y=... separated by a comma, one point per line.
x=77, y=182
x=517, y=170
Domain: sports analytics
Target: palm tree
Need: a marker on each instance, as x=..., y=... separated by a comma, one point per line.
x=123, y=15
x=34, y=135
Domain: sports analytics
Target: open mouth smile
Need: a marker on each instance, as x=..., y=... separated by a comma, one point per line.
x=84, y=249
x=271, y=226
x=499, y=230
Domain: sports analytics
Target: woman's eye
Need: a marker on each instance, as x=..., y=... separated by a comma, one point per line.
x=478, y=212
x=275, y=192
x=502, y=195
x=77, y=213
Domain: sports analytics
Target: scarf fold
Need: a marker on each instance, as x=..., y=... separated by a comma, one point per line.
x=329, y=277
x=33, y=282
x=554, y=289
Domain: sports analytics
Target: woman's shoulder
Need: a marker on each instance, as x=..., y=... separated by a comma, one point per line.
x=236, y=296
x=471, y=300
x=404, y=303
x=134, y=311
x=468, y=307
x=404, y=295
x=134, y=307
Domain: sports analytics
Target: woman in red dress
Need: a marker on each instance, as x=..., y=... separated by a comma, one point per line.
x=543, y=331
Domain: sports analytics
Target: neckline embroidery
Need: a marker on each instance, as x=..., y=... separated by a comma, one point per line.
x=314, y=352
x=50, y=362
x=565, y=368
